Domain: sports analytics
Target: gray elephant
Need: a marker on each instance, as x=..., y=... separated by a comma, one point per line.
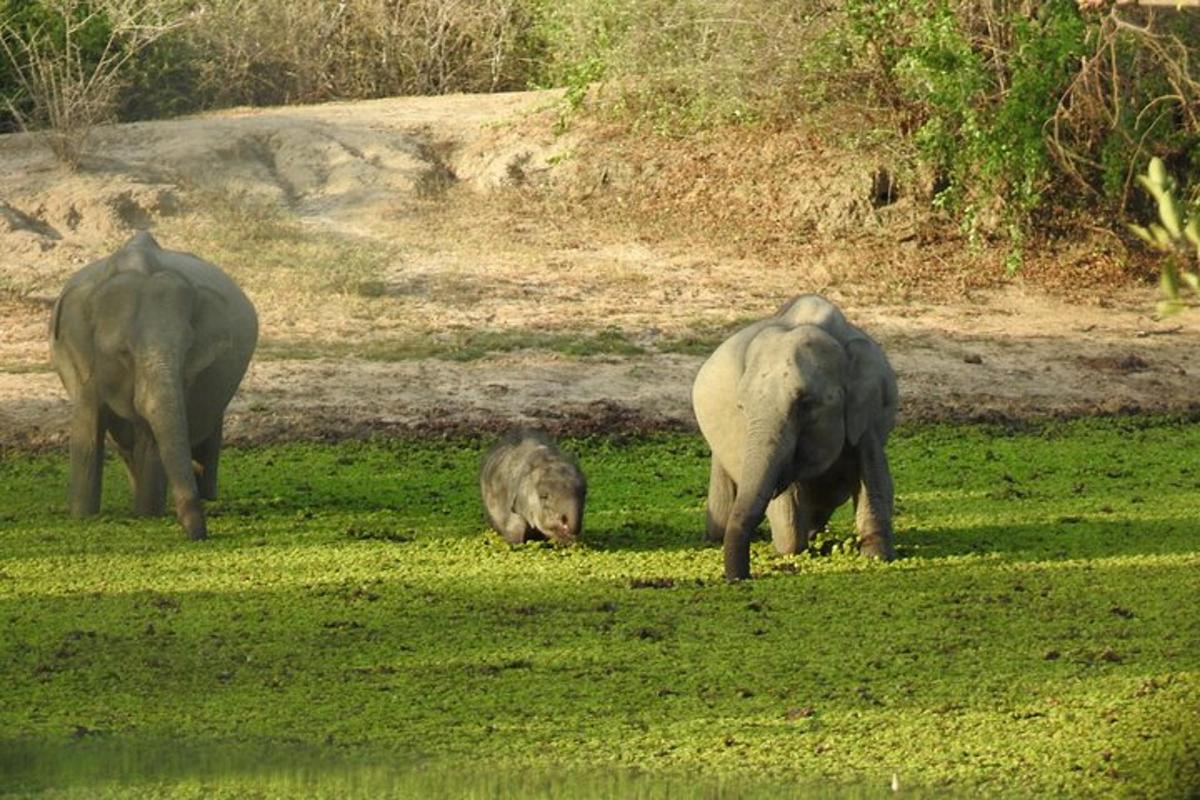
x=796, y=409
x=531, y=489
x=151, y=344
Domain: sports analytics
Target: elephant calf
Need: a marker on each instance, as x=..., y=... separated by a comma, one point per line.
x=531, y=489
x=151, y=344
x=796, y=409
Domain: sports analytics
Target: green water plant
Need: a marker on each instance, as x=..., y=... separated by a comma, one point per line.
x=352, y=622
x=1178, y=237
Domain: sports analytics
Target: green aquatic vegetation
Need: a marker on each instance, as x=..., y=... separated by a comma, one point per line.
x=1036, y=637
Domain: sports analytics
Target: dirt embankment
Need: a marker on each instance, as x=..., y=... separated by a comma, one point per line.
x=476, y=216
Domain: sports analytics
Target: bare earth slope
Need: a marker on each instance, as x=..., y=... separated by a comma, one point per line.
x=419, y=201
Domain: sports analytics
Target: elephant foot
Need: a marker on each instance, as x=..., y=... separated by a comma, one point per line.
x=877, y=547
x=737, y=561
x=191, y=516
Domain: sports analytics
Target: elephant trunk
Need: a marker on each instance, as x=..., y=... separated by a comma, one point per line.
x=767, y=456
x=160, y=401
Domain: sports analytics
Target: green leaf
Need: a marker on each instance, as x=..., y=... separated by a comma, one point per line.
x=1192, y=280
x=1192, y=231
x=1168, y=211
x=1158, y=172
x=1142, y=233
x=1166, y=308
x=1168, y=281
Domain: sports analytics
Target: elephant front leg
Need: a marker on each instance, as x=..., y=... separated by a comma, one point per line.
x=149, y=479
x=514, y=529
x=748, y=510
x=87, y=458
x=720, y=501
x=873, y=502
x=761, y=470
x=206, y=455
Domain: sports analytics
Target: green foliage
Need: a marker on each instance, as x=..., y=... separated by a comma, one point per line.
x=681, y=66
x=1178, y=236
x=166, y=80
x=982, y=114
x=352, y=609
x=578, y=40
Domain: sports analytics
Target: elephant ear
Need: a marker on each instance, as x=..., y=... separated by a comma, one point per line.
x=210, y=332
x=870, y=389
x=71, y=334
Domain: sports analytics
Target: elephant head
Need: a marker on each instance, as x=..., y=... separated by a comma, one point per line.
x=782, y=402
x=792, y=399
x=140, y=323
x=553, y=496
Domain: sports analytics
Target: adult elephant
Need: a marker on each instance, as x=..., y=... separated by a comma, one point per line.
x=151, y=344
x=796, y=409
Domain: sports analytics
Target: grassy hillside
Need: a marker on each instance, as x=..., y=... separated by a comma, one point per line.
x=353, y=628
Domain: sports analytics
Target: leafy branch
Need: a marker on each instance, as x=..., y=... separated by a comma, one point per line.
x=1178, y=236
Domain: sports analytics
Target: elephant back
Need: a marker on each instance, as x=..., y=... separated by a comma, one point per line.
x=139, y=255
x=143, y=255
x=815, y=310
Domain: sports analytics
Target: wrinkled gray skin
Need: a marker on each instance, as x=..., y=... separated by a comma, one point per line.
x=532, y=490
x=796, y=409
x=151, y=345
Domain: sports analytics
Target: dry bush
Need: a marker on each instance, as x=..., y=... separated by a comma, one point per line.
x=286, y=51
x=688, y=64
x=1135, y=96
x=69, y=62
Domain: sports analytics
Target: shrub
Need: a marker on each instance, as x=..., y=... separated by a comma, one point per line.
x=980, y=88
x=65, y=62
x=309, y=50
x=684, y=65
x=1012, y=105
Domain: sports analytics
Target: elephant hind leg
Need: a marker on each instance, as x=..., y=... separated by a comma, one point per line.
x=720, y=501
x=793, y=520
x=873, y=503
x=121, y=433
x=206, y=456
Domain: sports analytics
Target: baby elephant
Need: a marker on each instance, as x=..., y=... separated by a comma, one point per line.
x=797, y=409
x=532, y=490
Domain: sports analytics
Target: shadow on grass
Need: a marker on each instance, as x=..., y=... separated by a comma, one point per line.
x=387, y=662
x=1069, y=537
x=638, y=536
